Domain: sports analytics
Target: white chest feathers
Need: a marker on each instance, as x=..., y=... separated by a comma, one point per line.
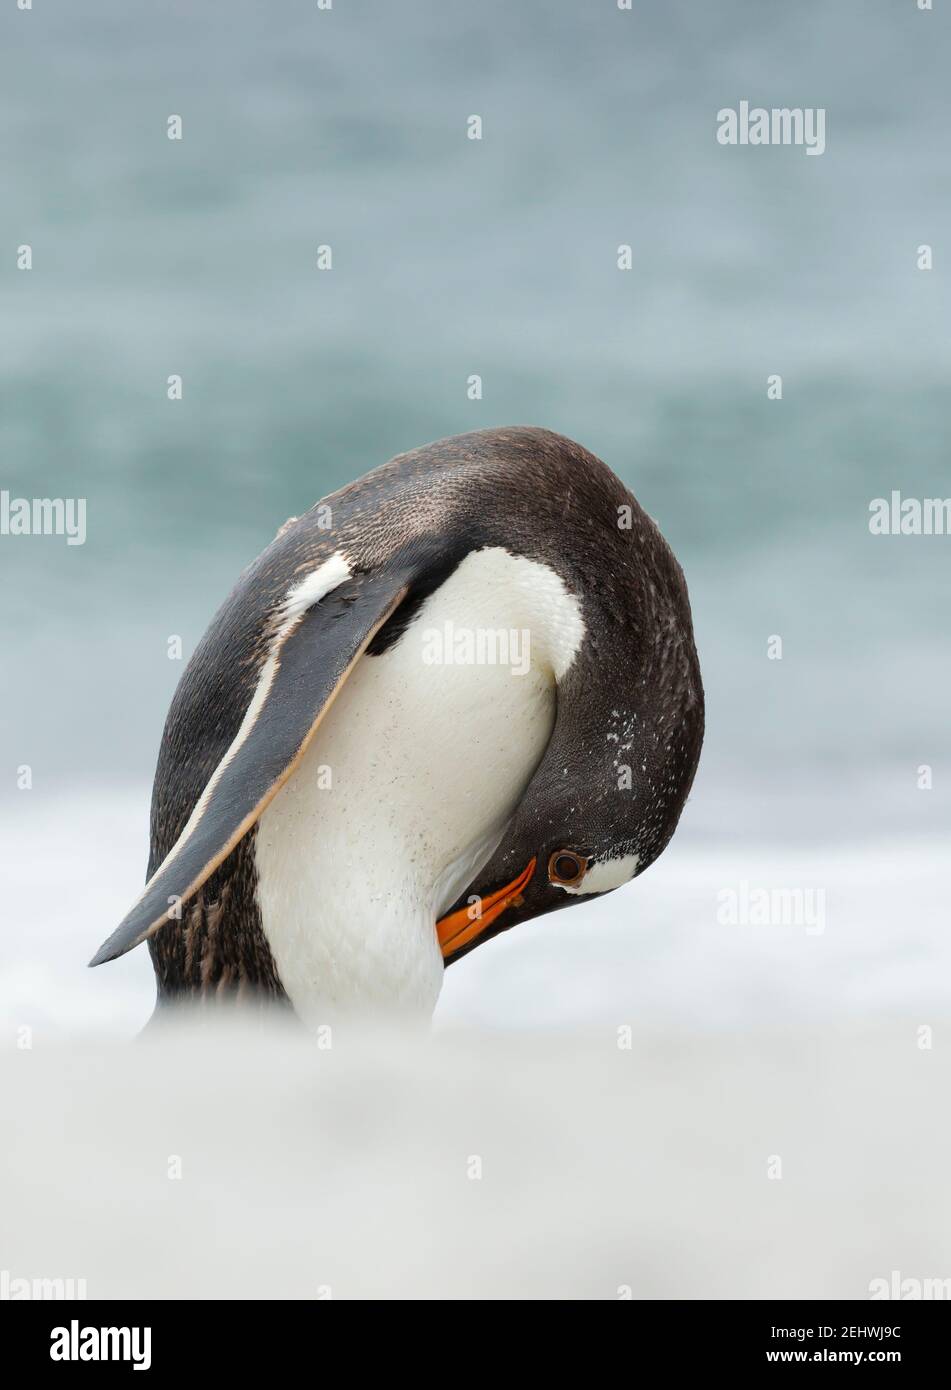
x=407, y=786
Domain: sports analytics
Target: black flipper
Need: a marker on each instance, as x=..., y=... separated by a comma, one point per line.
x=305, y=667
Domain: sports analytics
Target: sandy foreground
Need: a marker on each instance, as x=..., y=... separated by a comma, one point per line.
x=240, y=1162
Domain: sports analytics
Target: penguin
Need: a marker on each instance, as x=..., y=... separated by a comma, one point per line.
x=458, y=694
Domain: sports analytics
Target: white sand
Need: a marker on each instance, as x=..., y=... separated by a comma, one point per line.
x=348, y=1169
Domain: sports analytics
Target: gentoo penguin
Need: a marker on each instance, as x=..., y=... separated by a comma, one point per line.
x=458, y=694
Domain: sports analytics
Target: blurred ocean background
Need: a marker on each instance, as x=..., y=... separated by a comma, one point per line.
x=497, y=257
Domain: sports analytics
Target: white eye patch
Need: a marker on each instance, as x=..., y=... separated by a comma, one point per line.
x=605, y=874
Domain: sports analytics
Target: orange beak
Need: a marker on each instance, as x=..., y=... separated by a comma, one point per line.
x=461, y=927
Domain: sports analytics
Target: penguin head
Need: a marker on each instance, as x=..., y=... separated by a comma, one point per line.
x=605, y=800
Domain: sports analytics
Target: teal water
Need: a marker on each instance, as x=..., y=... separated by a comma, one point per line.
x=453, y=257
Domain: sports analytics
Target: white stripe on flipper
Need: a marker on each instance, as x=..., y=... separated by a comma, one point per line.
x=297, y=601
x=312, y=588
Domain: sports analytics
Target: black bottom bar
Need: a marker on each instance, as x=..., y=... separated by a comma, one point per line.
x=163, y=1339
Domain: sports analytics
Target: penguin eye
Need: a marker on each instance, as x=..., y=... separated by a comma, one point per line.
x=567, y=867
